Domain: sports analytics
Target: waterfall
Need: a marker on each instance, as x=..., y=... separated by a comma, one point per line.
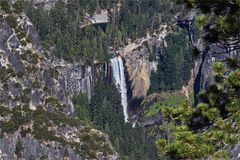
x=120, y=82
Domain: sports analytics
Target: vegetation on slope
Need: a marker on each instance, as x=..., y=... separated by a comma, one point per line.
x=23, y=82
x=168, y=99
x=174, y=64
x=60, y=29
x=106, y=112
x=212, y=128
x=218, y=127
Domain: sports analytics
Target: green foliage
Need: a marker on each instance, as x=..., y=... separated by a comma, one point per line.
x=4, y=6
x=11, y=20
x=218, y=68
x=19, y=5
x=25, y=99
x=52, y=101
x=34, y=58
x=169, y=99
x=174, y=65
x=220, y=19
x=17, y=85
x=20, y=74
x=81, y=104
x=217, y=112
x=17, y=120
x=27, y=91
x=234, y=79
x=201, y=20
x=106, y=112
x=23, y=42
x=43, y=120
x=19, y=149
x=72, y=42
x=4, y=111
x=136, y=18
x=133, y=19
x=25, y=131
x=21, y=35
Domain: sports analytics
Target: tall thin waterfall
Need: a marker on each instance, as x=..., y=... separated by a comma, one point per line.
x=120, y=82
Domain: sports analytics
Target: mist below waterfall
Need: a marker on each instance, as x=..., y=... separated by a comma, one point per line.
x=120, y=82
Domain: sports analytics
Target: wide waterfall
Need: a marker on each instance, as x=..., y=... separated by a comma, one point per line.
x=120, y=82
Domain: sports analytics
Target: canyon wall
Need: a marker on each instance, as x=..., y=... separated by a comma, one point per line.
x=35, y=81
x=141, y=59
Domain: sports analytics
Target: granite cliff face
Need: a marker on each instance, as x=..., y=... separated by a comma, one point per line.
x=215, y=52
x=209, y=55
x=140, y=59
x=37, y=115
x=81, y=78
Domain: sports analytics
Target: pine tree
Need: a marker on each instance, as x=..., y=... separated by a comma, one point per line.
x=220, y=19
x=217, y=112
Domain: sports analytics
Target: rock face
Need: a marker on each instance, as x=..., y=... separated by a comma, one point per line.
x=34, y=149
x=82, y=78
x=99, y=17
x=187, y=24
x=140, y=59
x=31, y=33
x=6, y=33
x=32, y=80
x=210, y=54
x=46, y=4
x=13, y=61
x=236, y=152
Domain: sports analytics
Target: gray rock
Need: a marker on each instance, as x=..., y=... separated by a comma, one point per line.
x=48, y=80
x=15, y=91
x=5, y=32
x=71, y=79
x=215, y=52
x=16, y=61
x=36, y=98
x=32, y=34
x=46, y=4
x=13, y=42
x=81, y=78
x=236, y=152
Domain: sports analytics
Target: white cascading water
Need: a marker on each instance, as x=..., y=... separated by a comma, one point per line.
x=120, y=82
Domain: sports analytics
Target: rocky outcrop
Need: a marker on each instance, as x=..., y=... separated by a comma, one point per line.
x=152, y=120
x=140, y=59
x=35, y=97
x=30, y=31
x=18, y=146
x=235, y=153
x=17, y=68
x=188, y=23
x=46, y=4
x=81, y=78
x=100, y=16
x=211, y=54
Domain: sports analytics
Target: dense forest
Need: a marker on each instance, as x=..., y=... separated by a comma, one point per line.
x=206, y=129
x=174, y=64
x=105, y=110
x=212, y=128
x=60, y=29
x=183, y=137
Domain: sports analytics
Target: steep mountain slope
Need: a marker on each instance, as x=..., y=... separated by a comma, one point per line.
x=37, y=115
x=78, y=76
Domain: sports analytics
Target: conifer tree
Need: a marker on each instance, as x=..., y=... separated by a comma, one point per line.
x=219, y=114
